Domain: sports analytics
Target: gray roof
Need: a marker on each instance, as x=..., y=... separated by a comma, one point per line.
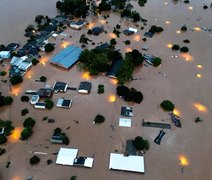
x=84, y=85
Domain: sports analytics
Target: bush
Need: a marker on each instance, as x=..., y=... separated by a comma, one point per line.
x=175, y=47
x=184, y=49
x=49, y=47
x=142, y=2
x=8, y=100
x=73, y=178
x=156, y=62
x=66, y=140
x=49, y=103
x=127, y=42
x=89, y=31
x=25, y=98
x=34, y=61
x=99, y=119
x=155, y=29
x=141, y=144
x=8, y=127
x=184, y=28
x=43, y=79
x=3, y=139
x=16, y=80
x=24, y=111
x=186, y=41
x=197, y=119
x=167, y=105
x=3, y=73
x=34, y=160
x=122, y=90
x=29, y=122
x=26, y=133
x=113, y=42
x=101, y=89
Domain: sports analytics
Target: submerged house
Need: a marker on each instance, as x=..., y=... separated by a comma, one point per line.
x=57, y=138
x=112, y=73
x=85, y=87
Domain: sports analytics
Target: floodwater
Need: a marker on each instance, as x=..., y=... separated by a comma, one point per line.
x=15, y=15
x=183, y=154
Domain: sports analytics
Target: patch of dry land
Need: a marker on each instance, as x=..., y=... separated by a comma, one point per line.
x=184, y=153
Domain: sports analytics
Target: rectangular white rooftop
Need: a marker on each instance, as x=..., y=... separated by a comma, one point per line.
x=126, y=163
x=66, y=156
x=133, y=29
x=124, y=122
x=88, y=162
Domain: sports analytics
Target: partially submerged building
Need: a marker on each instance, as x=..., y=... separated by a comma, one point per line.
x=77, y=25
x=60, y=86
x=45, y=92
x=127, y=111
x=126, y=163
x=115, y=66
x=68, y=157
x=57, y=138
x=85, y=87
x=64, y=103
x=67, y=57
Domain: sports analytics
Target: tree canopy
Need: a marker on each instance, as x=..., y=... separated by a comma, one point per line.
x=167, y=105
x=141, y=144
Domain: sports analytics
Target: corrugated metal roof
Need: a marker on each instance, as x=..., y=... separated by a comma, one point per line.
x=67, y=57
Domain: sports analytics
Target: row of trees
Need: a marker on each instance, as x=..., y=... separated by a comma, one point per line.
x=98, y=60
x=129, y=94
x=134, y=15
x=28, y=128
x=132, y=59
x=77, y=8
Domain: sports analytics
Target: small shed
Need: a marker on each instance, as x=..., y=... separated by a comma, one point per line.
x=85, y=87
x=45, y=92
x=57, y=138
x=124, y=122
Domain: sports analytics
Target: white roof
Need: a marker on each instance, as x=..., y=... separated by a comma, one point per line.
x=5, y=54
x=16, y=61
x=24, y=65
x=133, y=29
x=66, y=156
x=88, y=162
x=124, y=122
x=126, y=163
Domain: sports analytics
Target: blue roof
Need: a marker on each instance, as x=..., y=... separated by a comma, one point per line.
x=67, y=57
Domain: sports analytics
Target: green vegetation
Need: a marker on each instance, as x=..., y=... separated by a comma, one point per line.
x=104, y=6
x=184, y=49
x=3, y=73
x=167, y=105
x=132, y=59
x=129, y=94
x=127, y=42
x=142, y=2
x=5, y=100
x=77, y=8
x=3, y=139
x=34, y=160
x=29, y=122
x=26, y=133
x=96, y=61
x=134, y=15
x=186, y=41
x=99, y=119
x=116, y=31
x=24, y=111
x=113, y=42
x=141, y=144
x=49, y=47
x=101, y=89
x=25, y=98
x=43, y=79
x=175, y=47
x=65, y=138
x=155, y=29
x=8, y=127
x=34, y=61
x=84, y=39
x=49, y=103
x=16, y=80
x=198, y=119
x=156, y=61
x=184, y=28
x=73, y=178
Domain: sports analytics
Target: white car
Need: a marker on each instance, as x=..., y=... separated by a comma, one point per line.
x=34, y=99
